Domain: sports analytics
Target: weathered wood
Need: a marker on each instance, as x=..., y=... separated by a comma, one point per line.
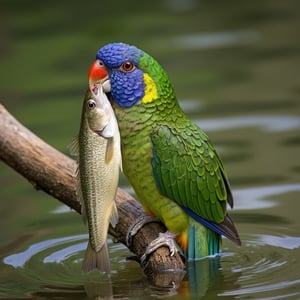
x=53, y=172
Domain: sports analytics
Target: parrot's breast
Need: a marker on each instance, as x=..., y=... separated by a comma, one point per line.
x=136, y=124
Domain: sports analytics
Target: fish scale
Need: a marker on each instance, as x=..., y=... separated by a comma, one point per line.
x=94, y=198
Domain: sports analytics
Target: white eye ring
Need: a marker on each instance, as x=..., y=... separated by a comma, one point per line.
x=100, y=62
x=91, y=104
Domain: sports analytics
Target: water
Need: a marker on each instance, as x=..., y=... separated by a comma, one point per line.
x=235, y=69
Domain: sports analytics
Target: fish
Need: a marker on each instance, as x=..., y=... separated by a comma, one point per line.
x=99, y=160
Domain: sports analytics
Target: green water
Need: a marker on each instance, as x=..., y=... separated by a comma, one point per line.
x=235, y=67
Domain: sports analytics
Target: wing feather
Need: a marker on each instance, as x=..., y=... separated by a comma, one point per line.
x=188, y=171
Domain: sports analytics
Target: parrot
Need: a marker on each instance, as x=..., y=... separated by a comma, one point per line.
x=172, y=165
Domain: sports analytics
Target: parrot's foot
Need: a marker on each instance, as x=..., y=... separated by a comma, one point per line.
x=137, y=225
x=164, y=239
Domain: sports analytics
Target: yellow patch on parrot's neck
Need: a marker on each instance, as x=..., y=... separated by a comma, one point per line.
x=150, y=89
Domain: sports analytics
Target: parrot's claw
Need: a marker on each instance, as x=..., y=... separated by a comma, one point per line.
x=164, y=239
x=137, y=225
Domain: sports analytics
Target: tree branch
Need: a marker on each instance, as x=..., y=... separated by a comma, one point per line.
x=53, y=172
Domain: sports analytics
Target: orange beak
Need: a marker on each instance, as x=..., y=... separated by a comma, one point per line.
x=97, y=74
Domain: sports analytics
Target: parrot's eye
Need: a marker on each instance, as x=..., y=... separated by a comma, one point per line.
x=100, y=62
x=91, y=104
x=127, y=66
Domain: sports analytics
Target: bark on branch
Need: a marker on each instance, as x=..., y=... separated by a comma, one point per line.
x=53, y=172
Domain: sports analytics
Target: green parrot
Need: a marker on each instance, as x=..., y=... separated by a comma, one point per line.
x=173, y=167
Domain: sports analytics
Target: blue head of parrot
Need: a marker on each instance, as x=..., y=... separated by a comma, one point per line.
x=122, y=64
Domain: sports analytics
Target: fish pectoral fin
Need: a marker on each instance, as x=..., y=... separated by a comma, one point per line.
x=108, y=131
x=74, y=147
x=114, y=216
x=109, y=150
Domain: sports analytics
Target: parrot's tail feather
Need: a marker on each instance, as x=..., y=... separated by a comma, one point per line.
x=202, y=241
x=226, y=228
x=96, y=260
x=229, y=229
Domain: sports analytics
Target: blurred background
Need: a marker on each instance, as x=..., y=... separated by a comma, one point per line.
x=235, y=69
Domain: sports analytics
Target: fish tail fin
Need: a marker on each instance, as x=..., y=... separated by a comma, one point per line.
x=198, y=241
x=96, y=260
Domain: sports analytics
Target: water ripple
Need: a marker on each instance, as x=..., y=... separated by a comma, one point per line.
x=257, y=265
x=255, y=197
x=286, y=242
x=20, y=259
x=263, y=288
x=263, y=267
x=64, y=254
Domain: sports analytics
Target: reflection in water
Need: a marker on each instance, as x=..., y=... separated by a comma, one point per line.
x=99, y=290
x=201, y=274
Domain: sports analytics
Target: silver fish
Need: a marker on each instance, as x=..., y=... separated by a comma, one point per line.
x=99, y=159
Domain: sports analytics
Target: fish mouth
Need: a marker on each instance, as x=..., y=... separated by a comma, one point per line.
x=103, y=83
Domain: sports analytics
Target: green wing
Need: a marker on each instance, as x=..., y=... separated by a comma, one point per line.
x=188, y=170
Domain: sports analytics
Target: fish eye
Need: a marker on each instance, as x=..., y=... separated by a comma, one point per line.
x=127, y=66
x=91, y=104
